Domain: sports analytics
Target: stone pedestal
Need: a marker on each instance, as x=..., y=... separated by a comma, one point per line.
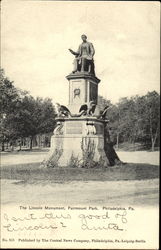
x=75, y=139
x=83, y=88
x=80, y=136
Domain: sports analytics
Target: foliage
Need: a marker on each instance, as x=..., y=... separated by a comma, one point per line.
x=74, y=162
x=135, y=119
x=23, y=115
x=9, y=98
x=88, y=150
x=34, y=116
x=52, y=162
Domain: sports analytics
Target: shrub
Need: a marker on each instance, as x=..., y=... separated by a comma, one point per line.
x=74, y=162
x=88, y=150
x=52, y=162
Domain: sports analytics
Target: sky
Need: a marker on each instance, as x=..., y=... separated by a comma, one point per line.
x=36, y=35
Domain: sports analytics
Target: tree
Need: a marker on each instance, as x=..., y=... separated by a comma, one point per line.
x=108, y=144
x=23, y=115
x=114, y=117
x=102, y=102
x=135, y=119
x=9, y=97
x=34, y=116
x=150, y=119
x=128, y=119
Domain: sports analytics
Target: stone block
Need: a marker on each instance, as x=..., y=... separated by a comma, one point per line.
x=80, y=135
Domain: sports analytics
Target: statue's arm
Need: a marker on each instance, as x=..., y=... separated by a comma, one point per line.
x=73, y=52
x=92, y=49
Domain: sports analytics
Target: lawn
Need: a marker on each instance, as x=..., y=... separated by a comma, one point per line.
x=32, y=172
x=133, y=182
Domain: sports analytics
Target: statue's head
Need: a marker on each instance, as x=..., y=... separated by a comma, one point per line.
x=84, y=37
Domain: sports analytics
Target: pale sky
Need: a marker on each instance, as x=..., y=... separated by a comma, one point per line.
x=36, y=36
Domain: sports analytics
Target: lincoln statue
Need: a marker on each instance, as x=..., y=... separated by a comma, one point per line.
x=84, y=57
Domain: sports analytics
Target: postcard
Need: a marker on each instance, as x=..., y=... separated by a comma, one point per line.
x=79, y=138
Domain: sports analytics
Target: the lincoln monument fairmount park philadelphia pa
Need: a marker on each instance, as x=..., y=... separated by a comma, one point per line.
x=81, y=137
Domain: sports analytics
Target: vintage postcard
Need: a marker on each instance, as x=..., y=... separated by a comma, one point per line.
x=79, y=137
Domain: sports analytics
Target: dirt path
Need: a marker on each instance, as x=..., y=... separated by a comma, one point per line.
x=94, y=192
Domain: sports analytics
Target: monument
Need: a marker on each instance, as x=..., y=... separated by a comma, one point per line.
x=81, y=135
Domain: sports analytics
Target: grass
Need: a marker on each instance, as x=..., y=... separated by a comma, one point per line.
x=32, y=173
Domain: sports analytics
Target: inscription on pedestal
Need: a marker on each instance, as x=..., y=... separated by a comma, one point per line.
x=73, y=128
